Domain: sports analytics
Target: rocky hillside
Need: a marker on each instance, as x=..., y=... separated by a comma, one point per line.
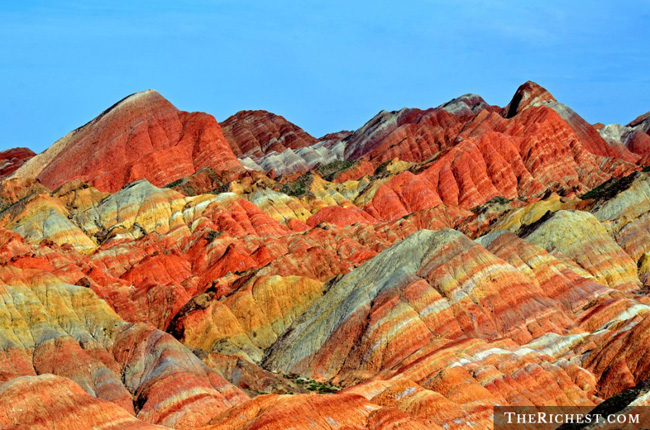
x=159, y=270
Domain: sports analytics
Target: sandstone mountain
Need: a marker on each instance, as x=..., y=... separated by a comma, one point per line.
x=141, y=136
x=158, y=270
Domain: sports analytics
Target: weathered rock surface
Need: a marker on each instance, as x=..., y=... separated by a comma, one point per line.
x=535, y=151
x=411, y=274
x=420, y=287
x=635, y=136
x=259, y=132
x=349, y=411
x=580, y=237
x=12, y=159
x=50, y=327
x=297, y=160
x=36, y=402
x=142, y=136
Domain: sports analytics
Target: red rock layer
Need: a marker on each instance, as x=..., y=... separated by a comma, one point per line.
x=262, y=277
x=356, y=171
x=349, y=411
x=412, y=134
x=12, y=159
x=38, y=402
x=531, y=94
x=51, y=327
x=531, y=153
x=142, y=136
x=622, y=361
x=259, y=132
x=340, y=216
x=339, y=135
x=639, y=143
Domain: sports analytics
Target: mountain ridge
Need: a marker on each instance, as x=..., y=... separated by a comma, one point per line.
x=157, y=272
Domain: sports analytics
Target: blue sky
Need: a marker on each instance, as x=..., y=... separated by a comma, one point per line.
x=325, y=66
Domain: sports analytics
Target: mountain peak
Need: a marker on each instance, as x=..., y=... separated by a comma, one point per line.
x=528, y=94
x=140, y=98
x=145, y=94
x=141, y=136
x=258, y=132
x=465, y=104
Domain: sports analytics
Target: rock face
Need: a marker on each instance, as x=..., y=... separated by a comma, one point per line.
x=411, y=274
x=267, y=142
x=34, y=401
x=52, y=327
x=538, y=147
x=12, y=159
x=531, y=95
x=257, y=133
x=350, y=411
x=142, y=136
x=635, y=136
x=299, y=160
x=413, y=134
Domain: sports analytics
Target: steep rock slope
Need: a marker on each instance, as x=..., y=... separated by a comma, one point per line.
x=531, y=94
x=142, y=136
x=420, y=283
x=534, y=150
